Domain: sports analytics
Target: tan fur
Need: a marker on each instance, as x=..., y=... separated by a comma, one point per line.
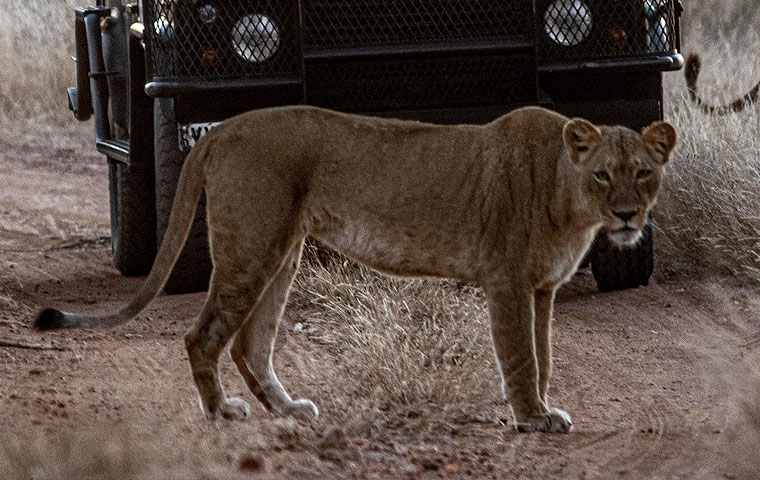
x=512, y=205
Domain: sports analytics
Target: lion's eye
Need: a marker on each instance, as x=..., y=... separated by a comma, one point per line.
x=642, y=175
x=602, y=177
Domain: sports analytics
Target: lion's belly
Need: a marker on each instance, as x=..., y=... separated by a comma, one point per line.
x=398, y=250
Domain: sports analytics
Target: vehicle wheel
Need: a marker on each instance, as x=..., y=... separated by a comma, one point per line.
x=618, y=268
x=193, y=268
x=133, y=214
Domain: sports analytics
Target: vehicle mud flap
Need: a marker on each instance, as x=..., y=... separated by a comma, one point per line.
x=193, y=268
x=617, y=268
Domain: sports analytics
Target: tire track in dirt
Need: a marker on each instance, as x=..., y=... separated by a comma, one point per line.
x=662, y=369
x=752, y=343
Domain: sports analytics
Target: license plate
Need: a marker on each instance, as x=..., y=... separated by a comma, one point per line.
x=192, y=132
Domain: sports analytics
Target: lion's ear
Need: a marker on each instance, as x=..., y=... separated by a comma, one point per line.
x=580, y=136
x=661, y=137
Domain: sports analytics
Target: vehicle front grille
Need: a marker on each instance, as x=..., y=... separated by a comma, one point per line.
x=351, y=23
x=601, y=29
x=212, y=40
x=425, y=83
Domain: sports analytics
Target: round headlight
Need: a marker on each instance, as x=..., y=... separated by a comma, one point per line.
x=255, y=38
x=568, y=22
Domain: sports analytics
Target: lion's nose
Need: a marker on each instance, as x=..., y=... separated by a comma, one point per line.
x=625, y=216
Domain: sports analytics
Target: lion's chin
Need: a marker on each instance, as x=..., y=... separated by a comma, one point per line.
x=625, y=237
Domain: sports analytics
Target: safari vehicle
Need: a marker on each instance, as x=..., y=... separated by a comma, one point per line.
x=157, y=74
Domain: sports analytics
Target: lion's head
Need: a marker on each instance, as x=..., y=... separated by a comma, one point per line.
x=621, y=172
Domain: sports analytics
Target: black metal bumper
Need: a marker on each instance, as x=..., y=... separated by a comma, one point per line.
x=645, y=64
x=172, y=88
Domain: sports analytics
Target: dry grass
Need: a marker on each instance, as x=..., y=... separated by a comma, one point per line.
x=36, y=44
x=710, y=208
x=415, y=345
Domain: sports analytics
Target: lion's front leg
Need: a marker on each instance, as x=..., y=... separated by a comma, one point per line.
x=543, y=304
x=512, y=326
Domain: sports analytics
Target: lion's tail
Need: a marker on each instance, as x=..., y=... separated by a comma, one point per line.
x=189, y=189
x=691, y=72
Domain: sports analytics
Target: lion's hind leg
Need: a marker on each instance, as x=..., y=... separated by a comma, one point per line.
x=204, y=343
x=236, y=286
x=254, y=344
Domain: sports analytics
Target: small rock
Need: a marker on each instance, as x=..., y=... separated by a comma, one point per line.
x=429, y=464
x=450, y=469
x=252, y=463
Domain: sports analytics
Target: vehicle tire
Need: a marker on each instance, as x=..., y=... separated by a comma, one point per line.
x=193, y=268
x=616, y=268
x=133, y=214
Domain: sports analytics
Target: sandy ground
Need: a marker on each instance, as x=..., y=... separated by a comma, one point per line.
x=653, y=377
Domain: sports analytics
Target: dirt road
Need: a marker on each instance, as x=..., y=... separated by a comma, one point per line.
x=653, y=377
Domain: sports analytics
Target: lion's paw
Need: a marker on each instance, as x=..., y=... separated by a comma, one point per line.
x=556, y=421
x=301, y=409
x=235, y=409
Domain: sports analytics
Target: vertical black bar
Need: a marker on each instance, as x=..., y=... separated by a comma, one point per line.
x=84, y=104
x=141, y=105
x=116, y=60
x=98, y=83
x=677, y=11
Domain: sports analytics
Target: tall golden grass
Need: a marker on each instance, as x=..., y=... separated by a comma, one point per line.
x=36, y=45
x=709, y=211
x=400, y=343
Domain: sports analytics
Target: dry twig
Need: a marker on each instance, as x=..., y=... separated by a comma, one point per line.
x=30, y=346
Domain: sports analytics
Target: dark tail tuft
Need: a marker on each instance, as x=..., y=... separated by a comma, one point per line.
x=49, y=319
x=691, y=72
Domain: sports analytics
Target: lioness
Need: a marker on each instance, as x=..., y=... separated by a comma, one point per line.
x=512, y=205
